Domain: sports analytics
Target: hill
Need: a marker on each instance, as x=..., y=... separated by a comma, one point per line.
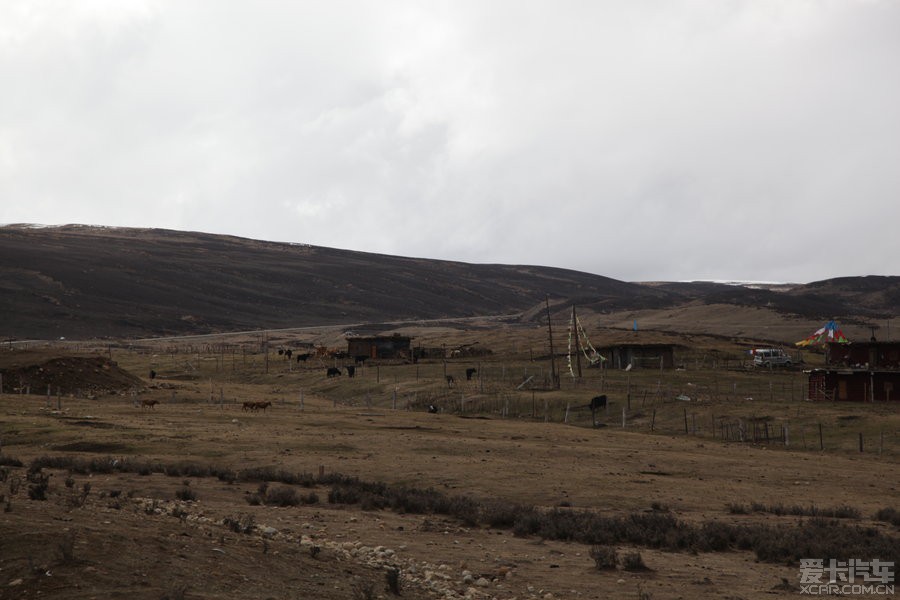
x=81, y=282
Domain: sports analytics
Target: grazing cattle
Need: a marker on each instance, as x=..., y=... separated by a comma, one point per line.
x=303, y=357
x=149, y=403
x=263, y=405
x=289, y=353
x=450, y=381
x=249, y=406
x=280, y=351
x=432, y=408
x=333, y=372
x=152, y=374
x=360, y=359
x=469, y=373
x=598, y=402
x=351, y=370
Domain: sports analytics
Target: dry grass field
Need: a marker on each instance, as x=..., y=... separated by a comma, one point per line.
x=345, y=487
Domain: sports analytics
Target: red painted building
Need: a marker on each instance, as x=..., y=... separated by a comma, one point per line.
x=861, y=372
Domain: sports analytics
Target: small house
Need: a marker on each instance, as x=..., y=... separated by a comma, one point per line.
x=858, y=372
x=639, y=356
x=393, y=346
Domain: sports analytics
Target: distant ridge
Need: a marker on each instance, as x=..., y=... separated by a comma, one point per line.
x=83, y=281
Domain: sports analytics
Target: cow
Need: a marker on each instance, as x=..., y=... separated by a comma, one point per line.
x=360, y=359
x=333, y=372
x=351, y=370
x=262, y=405
x=432, y=408
x=303, y=357
x=450, y=380
x=152, y=374
x=288, y=353
x=149, y=403
x=597, y=402
x=469, y=373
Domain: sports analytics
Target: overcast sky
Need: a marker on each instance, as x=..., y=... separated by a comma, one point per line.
x=641, y=140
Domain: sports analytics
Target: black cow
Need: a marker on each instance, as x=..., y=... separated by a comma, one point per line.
x=351, y=370
x=597, y=402
x=303, y=357
x=360, y=359
x=152, y=374
x=333, y=372
x=289, y=353
x=432, y=408
x=450, y=381
x=469, y=373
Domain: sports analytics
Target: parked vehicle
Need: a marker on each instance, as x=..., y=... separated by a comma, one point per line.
x=771, y=357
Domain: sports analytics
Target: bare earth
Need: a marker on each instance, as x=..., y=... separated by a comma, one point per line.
x=146, y=544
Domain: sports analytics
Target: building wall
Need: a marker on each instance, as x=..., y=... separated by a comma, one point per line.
x=646, y=357
x=379, y=347
x=856, y=386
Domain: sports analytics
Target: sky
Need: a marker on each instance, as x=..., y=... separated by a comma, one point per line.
x=641, y=140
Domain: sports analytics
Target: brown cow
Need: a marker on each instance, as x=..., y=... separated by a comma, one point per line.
x=149, y=403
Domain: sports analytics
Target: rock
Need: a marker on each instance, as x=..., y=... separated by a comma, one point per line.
x=482, y=582
x=15, y=582
x=267, y=531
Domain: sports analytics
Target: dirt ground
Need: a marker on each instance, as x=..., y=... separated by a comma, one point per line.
x=130, y=536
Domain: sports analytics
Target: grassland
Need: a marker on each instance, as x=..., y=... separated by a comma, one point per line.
x=510, y=482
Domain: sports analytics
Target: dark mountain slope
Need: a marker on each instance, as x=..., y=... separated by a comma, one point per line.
x=78, y=281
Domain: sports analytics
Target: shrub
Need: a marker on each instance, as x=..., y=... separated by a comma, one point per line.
x=244, y=524
x=888, y=515
x=39, y=485
x=282, y=496
x=738, y=509
x=186, y=494
x=604, y=557
x=632, y=561
x=9, y=461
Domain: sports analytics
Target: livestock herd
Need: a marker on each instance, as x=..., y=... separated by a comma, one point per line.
x=598, y=402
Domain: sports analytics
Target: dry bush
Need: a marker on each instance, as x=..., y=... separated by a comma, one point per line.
x=889, y=515
x=604, y=557
x=633, y=561
x=9, y=461
x=244, y=524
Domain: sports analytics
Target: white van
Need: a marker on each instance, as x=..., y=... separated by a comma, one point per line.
x=771, y=357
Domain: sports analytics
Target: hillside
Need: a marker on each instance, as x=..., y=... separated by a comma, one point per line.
x=82, y=282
